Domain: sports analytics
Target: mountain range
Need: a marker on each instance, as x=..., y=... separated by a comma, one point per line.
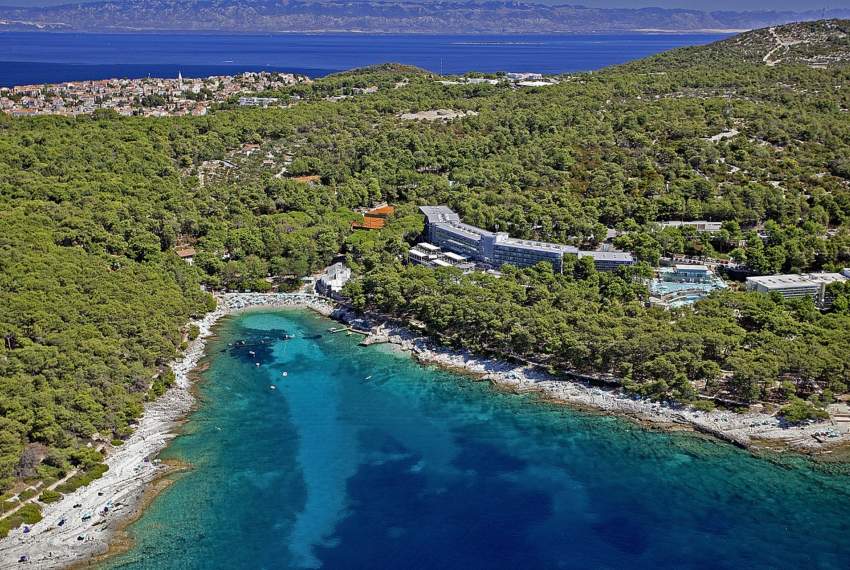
x=457, y=17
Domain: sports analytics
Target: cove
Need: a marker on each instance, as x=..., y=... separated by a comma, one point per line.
x=361, y=458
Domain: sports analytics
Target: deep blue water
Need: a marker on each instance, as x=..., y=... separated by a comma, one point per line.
x=363, y=459
x=31, y=57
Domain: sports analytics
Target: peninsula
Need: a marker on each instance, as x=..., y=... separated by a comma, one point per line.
x=668, y=237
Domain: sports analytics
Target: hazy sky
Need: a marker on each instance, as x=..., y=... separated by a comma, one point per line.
x=695, y=4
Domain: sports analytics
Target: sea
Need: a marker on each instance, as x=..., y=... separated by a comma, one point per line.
x=31, y=57
x=309, y=451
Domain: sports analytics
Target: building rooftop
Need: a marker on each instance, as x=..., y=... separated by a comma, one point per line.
x=425, y=246
x=535, y=245
x=441, y=263
x=437, y=214
x=690, y=267
x=454, y=257
x=622, y=256
x=369, y=223
x=796, y=280
x=474, y=229
x=187, y=251
x=457, y=228
x=703, y=224
x=384, y=210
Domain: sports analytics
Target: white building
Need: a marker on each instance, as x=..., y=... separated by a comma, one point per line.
x=333, y=279
x=796, y=286
x=699, y=225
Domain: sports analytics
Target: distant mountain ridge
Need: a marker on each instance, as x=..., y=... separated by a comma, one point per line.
x=459, y=17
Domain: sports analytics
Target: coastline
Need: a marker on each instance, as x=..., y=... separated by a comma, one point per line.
x=132, y=466
x=749, y=430
x=135, y=477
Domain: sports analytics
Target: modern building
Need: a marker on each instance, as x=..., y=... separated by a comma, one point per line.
x=432, y=256
x=525, y=253
x=683, y=284
x=424, y=254
x=699, y=225
x=257, y=101
x=333, y=280
x=685, y=273
x=608, y=260
x=444, y=229
x=796, y=286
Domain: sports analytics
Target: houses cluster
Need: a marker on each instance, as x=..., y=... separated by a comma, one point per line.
x=154, y=97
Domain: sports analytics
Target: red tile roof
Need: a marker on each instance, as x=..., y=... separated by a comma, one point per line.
x=369, y=224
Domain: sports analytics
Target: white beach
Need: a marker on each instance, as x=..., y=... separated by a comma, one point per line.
x=48, y=545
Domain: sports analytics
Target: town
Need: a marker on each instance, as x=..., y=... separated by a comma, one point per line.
x=149, y=97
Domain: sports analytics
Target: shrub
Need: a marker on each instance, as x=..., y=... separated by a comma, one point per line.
x=49, y=496
x=703, y=405
x=800, y=410
x=83, y=479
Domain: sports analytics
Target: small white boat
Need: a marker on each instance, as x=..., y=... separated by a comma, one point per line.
x=273, y=387
x=256, y=364
x=285, y=374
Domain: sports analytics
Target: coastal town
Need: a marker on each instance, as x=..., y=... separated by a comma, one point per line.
x=148, y=97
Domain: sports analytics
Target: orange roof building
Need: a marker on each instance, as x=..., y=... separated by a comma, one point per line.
x=375, y=218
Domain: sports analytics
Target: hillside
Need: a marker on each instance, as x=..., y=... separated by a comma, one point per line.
x=94, y=300
x=813, y=44
x=460, y=17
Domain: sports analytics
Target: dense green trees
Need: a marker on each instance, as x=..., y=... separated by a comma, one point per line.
x=93, y=300
x=732, y=345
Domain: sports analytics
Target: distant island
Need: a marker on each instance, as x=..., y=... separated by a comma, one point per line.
x=458, y=17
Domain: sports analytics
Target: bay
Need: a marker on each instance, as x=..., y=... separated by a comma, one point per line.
x=32, y=57
x=361, y=458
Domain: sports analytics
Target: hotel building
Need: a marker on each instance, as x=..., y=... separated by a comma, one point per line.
x=445, y=230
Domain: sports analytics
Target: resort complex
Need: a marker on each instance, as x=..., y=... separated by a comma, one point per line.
x=683, y=284
x=444, y=230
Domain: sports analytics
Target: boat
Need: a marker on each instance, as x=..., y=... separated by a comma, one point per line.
x=284, y=374
x=369, y=377
x=256, y=364
x=252, y=353
x=273, y=387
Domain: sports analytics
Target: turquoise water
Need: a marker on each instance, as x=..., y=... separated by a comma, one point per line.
x=418, y=468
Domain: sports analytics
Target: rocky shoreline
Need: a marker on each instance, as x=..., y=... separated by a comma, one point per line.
x=748, y=430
